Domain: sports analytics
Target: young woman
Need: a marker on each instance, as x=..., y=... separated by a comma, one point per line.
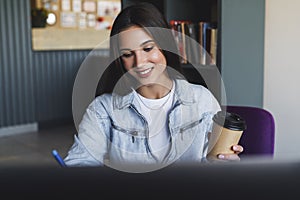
x=150, y=116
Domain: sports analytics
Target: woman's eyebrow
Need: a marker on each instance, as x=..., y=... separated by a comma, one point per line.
x=128, y=49
x=146, y=42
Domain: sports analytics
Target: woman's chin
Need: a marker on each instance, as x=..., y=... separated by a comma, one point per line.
x=147, y=82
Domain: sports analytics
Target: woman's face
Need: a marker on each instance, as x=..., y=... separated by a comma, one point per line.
x=141, y=56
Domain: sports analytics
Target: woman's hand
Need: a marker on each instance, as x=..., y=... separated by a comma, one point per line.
x=234, y=156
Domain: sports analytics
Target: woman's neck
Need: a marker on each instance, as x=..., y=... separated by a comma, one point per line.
x=155, y=91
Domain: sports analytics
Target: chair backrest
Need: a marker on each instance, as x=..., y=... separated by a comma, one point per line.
x=258, y=138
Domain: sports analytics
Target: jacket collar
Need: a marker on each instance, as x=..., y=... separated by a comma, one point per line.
x=183, y=94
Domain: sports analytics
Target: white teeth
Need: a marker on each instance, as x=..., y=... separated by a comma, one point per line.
x=145, y=72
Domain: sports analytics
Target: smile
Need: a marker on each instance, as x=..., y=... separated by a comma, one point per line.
x=145, y=73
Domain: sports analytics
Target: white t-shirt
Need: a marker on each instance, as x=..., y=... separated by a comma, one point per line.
x=156, y=112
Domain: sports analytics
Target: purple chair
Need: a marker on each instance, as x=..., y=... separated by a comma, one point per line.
x=258, y=138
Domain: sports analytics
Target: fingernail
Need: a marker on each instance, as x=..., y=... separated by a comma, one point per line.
x=221, y=156
x=235, y=148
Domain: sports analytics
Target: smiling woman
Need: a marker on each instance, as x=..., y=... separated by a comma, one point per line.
x=143, y=59
x=151, y=117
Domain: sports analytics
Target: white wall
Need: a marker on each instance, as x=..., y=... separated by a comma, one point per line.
x=281, y=75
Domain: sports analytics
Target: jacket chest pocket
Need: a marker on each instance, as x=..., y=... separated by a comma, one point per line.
x=188, y=132
x=126, y=139
x=190, y=126
x=188, y=135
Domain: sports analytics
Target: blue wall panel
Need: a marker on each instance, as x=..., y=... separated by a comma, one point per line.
x=35, y=86
x=17, y=94
x=243, y=51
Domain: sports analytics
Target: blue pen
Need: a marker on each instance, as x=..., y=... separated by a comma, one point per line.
x=58, y=158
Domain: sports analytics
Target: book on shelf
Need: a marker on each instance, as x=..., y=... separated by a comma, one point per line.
x=213, y=46
x=208, y=42
x=192, y=46
x=197, y=42
x=180, y=31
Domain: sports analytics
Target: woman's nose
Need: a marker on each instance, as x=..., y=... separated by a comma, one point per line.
x=140, y=58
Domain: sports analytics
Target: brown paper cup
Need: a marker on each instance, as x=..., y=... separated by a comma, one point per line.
x=222, y=140
x=225, y=133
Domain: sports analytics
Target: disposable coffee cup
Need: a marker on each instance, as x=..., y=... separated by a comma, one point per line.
x=226, y=131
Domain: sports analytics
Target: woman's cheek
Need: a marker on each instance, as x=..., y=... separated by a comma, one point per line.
x=156, y=57
x=127, y=64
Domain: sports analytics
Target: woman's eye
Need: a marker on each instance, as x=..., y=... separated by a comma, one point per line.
x=148, y=49
x=127, y=55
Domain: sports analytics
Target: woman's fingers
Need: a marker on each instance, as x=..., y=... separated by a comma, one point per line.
x=229, y=157
x=237, y=150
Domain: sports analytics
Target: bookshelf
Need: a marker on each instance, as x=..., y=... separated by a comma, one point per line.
x=193, y=12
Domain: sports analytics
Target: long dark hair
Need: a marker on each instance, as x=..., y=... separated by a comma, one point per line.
x=147, y=16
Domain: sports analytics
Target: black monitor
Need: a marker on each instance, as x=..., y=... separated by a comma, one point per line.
x=234, y=180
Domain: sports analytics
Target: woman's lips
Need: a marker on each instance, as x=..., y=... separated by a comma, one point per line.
x=144, y=73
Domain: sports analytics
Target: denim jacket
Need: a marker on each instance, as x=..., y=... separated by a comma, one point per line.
x=113, y=132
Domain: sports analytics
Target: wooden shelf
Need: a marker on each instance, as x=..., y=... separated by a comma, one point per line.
x=52, y=38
